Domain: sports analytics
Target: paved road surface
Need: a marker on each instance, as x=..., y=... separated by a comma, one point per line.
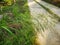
x=53, y=8
x=43, y=21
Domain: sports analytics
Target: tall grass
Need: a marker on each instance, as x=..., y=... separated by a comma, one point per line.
x=16, y=26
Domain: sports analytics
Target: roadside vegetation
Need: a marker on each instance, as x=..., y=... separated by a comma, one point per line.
x=15, y=25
